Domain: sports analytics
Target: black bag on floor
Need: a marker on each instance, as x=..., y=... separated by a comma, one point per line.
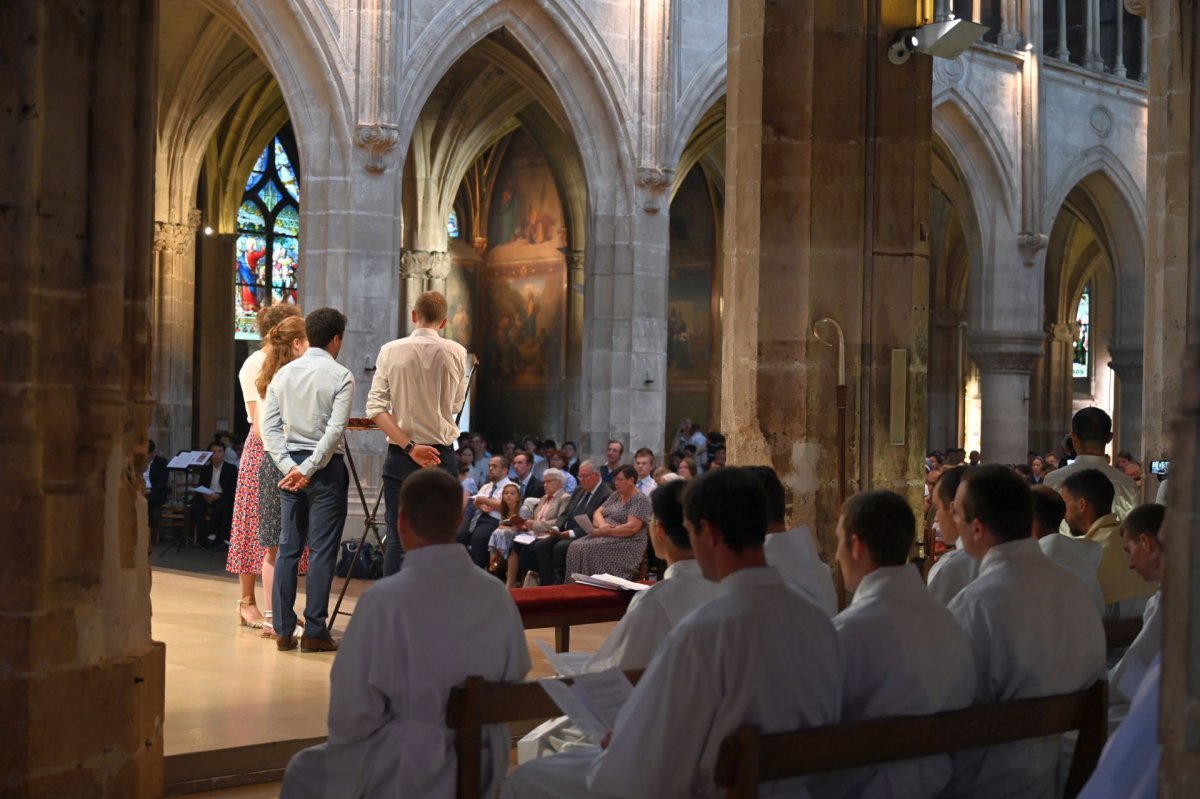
x=364, y=564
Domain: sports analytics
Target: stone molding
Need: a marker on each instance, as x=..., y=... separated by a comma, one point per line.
x=378, y=139
x=419, y=264
x=1062, y=332
x=656, y=178
x=1127, y=362
x=177, y=238
x=1010, y=353
x=1030, y=244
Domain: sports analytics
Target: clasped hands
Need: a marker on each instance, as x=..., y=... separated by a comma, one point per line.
x=294, y=480
x=425, y=455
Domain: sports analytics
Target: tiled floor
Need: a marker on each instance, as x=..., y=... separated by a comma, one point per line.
x=228, y=687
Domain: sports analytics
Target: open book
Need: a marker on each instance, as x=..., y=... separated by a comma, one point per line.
x=529, y=538
x=197, y=457
x=609, y=581
x=592, y=701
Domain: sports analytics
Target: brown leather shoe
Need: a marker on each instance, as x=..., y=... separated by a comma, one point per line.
x=285, y=642
x=324, y=644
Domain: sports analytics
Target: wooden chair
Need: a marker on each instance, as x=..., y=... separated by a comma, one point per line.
x=477, y=703
x=748, y=757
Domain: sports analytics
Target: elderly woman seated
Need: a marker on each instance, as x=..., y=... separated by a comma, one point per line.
x=617, y=542
x=539, y=518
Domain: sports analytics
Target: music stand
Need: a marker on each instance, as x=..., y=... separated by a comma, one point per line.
x=370, y=524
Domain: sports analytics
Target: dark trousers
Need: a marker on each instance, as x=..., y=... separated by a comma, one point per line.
x=213, y=518
x=314, y=515
x=476, y=541
x=551, y=556
x=397, y=466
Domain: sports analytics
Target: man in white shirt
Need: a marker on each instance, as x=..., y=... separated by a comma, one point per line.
x=955, y=568
x=1088, y=495
x=643, y=462
x=757, y=654
x=1091, y=430
x=903, y=654
x=307, y=406
x=476, y=531
x=412, y=638
x=1142, y=534
x=1032, y=632
x=793, y=552
x=211, y=511
x=1079, y=556
x=418, y=389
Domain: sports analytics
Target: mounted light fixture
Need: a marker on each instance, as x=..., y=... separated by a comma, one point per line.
x=941, y=39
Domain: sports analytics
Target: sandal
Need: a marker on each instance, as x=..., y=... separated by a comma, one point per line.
x=254, y=625
x=268, y=627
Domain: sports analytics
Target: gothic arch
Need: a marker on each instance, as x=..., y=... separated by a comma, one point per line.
x=694, y=108
x=704, y=141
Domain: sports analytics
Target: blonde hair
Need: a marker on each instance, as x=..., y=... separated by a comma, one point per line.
x=279, y=350
x=271, y=315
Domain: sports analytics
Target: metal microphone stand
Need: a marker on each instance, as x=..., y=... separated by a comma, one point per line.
x=370, y=523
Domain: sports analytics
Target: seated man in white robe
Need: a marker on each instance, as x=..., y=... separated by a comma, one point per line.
x=793, y=552
x=1142, y=533
x=955, y=568
x=1032, y=632
x=1079, y=556
x=651, y=615
x=1128, y=767
x=413, y=637
x=758, y=653
x=903, y=653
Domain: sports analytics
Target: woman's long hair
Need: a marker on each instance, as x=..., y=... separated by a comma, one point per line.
x=279, y=350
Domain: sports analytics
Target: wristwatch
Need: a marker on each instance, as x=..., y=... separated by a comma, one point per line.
x=408, y=448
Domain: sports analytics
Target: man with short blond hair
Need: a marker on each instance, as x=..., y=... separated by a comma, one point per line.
x=419, y=387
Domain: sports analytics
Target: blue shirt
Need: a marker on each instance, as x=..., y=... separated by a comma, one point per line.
x=308, y=404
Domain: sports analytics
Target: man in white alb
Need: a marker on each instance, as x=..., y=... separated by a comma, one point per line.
x=1079, y=556
x=793, y=552
x=955, y=568
x=307, y=407
x=757, y=654
x=419, y=386
x=1032, y=632
x=1091, y=431
x=413, y=637
x=903, y=654
x=1142, y=534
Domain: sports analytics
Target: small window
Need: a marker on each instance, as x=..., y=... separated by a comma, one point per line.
x=1081, y=364
x=452, y=225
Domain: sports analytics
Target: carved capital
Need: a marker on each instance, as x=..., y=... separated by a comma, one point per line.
x=423, y=264
x=1030, y=244
x=1062, y=332
x=1012, y=353
x=656, y=178
x=175, y=237
x=1127, y=362
x=378, y=140
x=1137, y=7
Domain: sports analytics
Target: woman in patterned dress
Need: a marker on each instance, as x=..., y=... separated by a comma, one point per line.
x=246, y=555
x=287, y=342
x=617, y=542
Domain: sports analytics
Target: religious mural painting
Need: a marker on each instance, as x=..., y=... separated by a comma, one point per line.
x=267, y=251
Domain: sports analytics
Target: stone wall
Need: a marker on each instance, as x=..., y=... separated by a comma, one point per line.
x=81, y=681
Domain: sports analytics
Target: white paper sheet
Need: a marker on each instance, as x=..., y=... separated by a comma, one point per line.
x=585, y=523
x=565, y=664
x=584, y=719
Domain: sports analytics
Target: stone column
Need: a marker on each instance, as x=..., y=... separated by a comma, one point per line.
x=1005, y=361
x=1173, y=263
x=576, y=288
x=81, y=681
x=1093, y=59
x=1062, y=53
x=828, y=158
x=174, y=299
x=946, y=384
x=1126, y=363
x=420, y=271
x=1010, y=35
x=1050, y=417
x=1119, y=63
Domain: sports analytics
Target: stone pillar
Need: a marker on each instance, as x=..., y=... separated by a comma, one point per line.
x=1010, y=34
x=420, y=271
x=1119, y=63
x=828, y=158
x=81, y=681
x=946, y=381
x=1093, y=59
x=576, y=288
x=1127, y=416
x=1050, y=416
x=173, y=284
x=1005, y=361
x=1174, y=263
x=1062, y=53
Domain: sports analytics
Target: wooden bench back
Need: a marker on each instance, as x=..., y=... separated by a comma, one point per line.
x=749, y=757
x=477, y=703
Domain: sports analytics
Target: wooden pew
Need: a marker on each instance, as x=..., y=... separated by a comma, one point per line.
x=749, y=757
x=478, y=702
x=561, y=606
x=1121, y=632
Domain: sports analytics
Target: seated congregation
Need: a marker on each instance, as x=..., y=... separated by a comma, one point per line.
x=742, y=629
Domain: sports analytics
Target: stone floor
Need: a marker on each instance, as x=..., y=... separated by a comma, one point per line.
x=231, y=697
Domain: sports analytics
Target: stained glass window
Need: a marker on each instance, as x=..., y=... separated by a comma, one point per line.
x=452, y=225
x=268, y=244
x=1081, y=364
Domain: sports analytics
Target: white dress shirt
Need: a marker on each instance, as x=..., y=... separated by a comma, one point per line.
x=413, y=637
x=903, y=654
x=1126, y=490
x=1033, y=634
x=491, y=491
x=794, y=553
x=248, y=376
x=757, y=653
x=307, y=406
x=421, y=380
x=647, y=485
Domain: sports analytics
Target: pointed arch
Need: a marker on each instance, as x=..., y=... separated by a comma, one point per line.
x=704, y=91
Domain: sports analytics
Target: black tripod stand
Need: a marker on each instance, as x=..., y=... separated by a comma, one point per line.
x=370, y=526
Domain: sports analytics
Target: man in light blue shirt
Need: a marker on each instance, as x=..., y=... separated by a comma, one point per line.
x=307, y=406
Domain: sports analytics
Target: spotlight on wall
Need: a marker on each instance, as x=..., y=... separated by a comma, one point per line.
x=208, y=231
x=942, y=39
